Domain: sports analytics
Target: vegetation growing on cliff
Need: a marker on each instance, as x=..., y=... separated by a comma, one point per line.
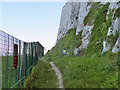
x=69, y=42
x=90, y=69
x=89, y=19
x=86, y=70
x=117, y=13
x=100, y=29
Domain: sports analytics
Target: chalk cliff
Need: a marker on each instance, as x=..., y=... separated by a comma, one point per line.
x=87, y=18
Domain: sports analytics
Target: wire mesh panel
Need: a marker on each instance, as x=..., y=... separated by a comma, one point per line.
x=17, y=59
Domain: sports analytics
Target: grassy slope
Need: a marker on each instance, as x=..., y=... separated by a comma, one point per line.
x=88, y=69
x=88, y=72
x=85, y=71
x=42, y=76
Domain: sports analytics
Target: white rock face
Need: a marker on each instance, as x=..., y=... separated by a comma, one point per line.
x=109, y=31
x=106, y=46
x=116, y=47
x=115, y=26
x=113, y=5
x=69, y=18
x=86, y=33
x=76, y=51
x=83, y=11
x=73, y=15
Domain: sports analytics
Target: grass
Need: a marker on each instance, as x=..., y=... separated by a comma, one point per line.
x=88, y=70
x=10, y=78
x=42, y=76
x=11, y=74
x=91, y=69
x=89, y=19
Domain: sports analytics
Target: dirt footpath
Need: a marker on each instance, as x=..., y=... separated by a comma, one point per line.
x=59, y=75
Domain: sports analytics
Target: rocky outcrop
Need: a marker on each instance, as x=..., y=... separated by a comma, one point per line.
x=69, y=18
x=73, y=15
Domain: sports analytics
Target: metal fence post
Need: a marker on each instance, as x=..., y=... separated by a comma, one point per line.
x=29, y=59
x=22, y=65
x=24, y=49
x=19, y=62
x=7, y=63
x=26, y=59
x=32, y=55
x=35, y=53
x=16, y=68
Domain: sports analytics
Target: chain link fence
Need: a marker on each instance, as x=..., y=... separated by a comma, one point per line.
x=17, y=59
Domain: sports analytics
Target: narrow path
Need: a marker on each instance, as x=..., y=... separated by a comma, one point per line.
x=59, y=75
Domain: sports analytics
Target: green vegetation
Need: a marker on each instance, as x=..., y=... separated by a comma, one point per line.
x=78, y=71
x=69, y=42
x=89, y=19
x=87, y=70
x=117, y=13
x=10, y=76
x=112, y=39
x=99, y=31
x=8, y=72
x=42, y=76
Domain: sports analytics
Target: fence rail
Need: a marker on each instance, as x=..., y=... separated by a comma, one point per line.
x=17, y=58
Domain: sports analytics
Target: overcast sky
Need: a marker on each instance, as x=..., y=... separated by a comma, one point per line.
x=32, y=21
